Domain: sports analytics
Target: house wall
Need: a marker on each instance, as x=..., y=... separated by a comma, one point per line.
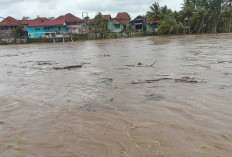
x=112, y=27
x=150, y=29
x=56, y=29
x=4, y=34
x=5, y=31
x=36, y=32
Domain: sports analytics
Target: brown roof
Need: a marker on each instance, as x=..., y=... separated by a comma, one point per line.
x=91, y=21
x=10, y=21
x=107, y=17
x=48, y=23
x=123, y=18
x=37, y=20
x=69, y=18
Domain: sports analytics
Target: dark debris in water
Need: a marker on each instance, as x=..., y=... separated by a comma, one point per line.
x=2, y=123
x=186, y=80
x=95, y=107
x=44, y=62
x=178, y=80
x=112, y=99
x=68, y=67
x=227, y=61
x=227, y=74
x=150, y=81
x=9, y=56
x=155, y=97
x=106, y=55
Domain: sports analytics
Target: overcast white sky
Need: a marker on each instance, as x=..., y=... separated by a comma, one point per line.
x=55, y=8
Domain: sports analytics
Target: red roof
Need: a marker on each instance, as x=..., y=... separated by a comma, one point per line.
x=91, y=21
x=107, y=17
x=27, y=22
x=48, y=23
x=123, y=18
x=69, y=18
x=10, y=21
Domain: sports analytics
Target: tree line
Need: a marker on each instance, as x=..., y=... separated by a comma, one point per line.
x=195, y=16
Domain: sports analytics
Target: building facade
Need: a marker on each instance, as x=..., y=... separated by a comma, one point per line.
x=47, y=29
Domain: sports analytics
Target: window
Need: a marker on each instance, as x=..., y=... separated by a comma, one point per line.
x=117, y=26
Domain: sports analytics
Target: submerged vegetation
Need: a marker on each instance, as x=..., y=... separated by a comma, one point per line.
x=196, y=16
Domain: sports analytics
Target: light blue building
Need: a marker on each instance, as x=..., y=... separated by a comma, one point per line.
x=47, y=29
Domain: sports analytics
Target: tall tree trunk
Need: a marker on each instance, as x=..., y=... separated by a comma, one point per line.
x=215, y=26
x=189, y=27
x=202, y=22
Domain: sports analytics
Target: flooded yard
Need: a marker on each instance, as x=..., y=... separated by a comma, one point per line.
x=140, y=97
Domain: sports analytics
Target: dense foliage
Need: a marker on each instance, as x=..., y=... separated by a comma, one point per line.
x=18, y=31
x=100, y=23
x=196, y=16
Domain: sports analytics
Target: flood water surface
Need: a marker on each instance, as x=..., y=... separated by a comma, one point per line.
x=141, y=97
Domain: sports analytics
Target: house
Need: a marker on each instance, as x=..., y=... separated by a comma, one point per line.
x=115, y=26
x=47, y=29
x=74, y=24
x=25, y=23
x=123, y=18
x=139, y=23
x=152, y=26
x=112, y=24
x=107, y=17
x=91, y=23
x=119, y=23
x=10, y=23
x=7, y=25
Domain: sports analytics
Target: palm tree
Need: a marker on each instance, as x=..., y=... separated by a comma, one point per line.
x=202, y=14
x=229, y=12
x=216, y=9
x=165, y=11
x=187, y=12
x=166, y=25
x=155, y=12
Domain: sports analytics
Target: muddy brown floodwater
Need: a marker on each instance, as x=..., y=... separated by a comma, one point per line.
x=117, y=105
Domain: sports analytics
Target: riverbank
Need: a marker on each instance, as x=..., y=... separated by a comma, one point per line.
x=96, y=36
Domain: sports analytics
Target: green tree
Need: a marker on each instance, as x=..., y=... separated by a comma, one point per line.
x=216, y=10
x=100, y=23
x=187, y=12
x=166, y=25
x=18, y=31
x=201, y=14
x=155, y=12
